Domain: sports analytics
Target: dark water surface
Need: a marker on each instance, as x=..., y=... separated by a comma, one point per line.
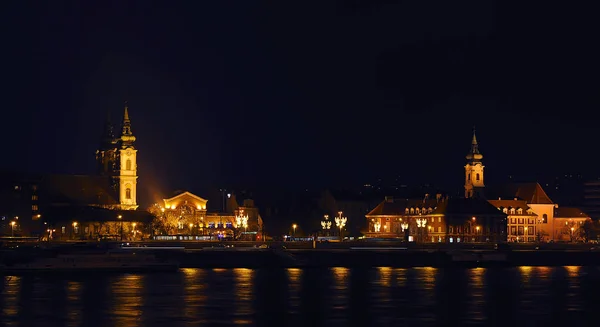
x=524, y=296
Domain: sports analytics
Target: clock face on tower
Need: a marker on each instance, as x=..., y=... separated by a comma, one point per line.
x=128, y=152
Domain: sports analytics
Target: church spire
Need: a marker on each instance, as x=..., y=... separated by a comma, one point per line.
x=474, y=154
x=474, y=145
x=127, y=137
x=126, y=121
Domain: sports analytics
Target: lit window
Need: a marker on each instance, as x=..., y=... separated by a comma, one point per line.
x=34, y=207
x=34, y=198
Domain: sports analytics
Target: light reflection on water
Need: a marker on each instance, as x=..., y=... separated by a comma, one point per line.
x=10, y=297
x=195, y=292
x=74, y=305
x=295, y=286
x=306, y=297
x=127, y=301
x=242, y=306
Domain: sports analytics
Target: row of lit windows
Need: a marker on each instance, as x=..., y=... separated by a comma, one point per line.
x=513, y=211
x=522, y=230
x=417, y=211
x=181, y=225
x=522, y=221
x=439, y=219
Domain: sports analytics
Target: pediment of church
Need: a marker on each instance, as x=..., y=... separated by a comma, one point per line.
x=186, y=198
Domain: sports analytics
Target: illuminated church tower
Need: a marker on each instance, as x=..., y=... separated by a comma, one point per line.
x=116, y=159
x=127, y=163
x=474, y=171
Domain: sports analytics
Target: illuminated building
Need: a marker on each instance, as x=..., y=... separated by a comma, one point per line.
x=438, y=220
x=518, y=212
x=89, y=206
x=185, y=217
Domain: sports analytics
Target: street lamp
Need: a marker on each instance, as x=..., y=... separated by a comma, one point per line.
x=572, y=230
x=340, y=222
x=74, y=229
x=134, y=230
x=12, y=228
x=404, y=227
x=294, y=228
x=477, y=228
x=421, y=223
x=191, y=228
x=242, y=220
x=120, y=219
x=377, y=226
x=326, y=224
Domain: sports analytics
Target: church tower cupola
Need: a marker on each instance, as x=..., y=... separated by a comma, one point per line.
x=474, y=170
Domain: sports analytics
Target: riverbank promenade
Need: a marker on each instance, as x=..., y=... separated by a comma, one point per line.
x=343, y=254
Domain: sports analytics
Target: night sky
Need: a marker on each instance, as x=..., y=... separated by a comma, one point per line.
x=289, y=95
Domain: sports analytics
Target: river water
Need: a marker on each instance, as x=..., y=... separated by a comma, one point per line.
x=522, y=296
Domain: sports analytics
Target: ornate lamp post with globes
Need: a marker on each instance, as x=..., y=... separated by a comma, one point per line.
x=405, y=230
x=377, y=226
x=340, y=222
x=421, y=224
x=326, y=224
x=242, y=220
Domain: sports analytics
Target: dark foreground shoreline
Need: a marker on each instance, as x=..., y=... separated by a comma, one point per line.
x=364, y=257
x=375, y=258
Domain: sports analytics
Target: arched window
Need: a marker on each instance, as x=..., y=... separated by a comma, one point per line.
x=477, y=176
x=128, y=164
x=128, y=193
x=469, y=176
x=544, y=218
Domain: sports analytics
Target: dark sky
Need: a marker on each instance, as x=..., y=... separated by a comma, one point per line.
x=282, y=94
